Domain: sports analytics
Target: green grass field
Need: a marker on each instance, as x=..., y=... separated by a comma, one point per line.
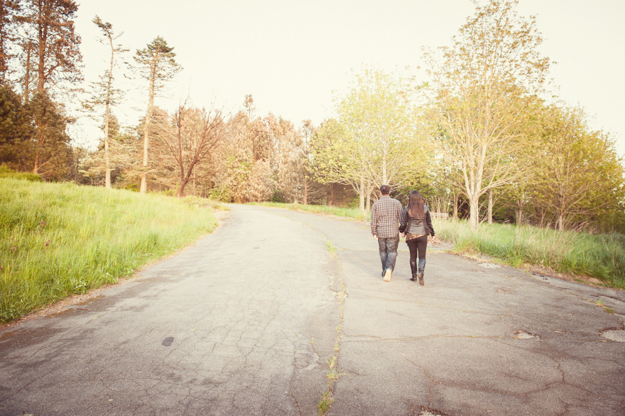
x=61, y=239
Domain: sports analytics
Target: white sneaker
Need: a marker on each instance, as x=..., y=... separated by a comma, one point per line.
x=387, y=275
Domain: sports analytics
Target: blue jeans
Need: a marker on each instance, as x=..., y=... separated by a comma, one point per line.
x=388, y=252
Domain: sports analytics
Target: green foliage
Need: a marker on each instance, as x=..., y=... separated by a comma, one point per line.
x=15, y=127
x=6, y=172
x=62, y=239
x=157, y=62
x=373, y=140
x=49, y=153
x=596, y=255
x=482, y=94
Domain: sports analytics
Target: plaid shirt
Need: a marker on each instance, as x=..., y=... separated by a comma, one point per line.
x=385, y=216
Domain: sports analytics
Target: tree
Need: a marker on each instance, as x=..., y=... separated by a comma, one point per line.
x=287, y=158
x=49, y=151
x=260, y=185
x=103, y=92
x=336, y=159
x=157, y=65
x=308, y=131
x=54, y=43
x=483, y=88
x=124, y=147
x=190, y=138
x=372, y=141
x=15, y=128
x=8, y=10
x=580, y=176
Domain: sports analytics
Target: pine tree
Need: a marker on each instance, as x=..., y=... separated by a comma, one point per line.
x=52, y=42
x=104, y=94
x=157, y=65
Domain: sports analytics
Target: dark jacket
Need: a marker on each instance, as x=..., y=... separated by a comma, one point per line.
x=413, y=223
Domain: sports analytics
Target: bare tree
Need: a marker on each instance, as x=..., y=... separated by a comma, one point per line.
x=193, y=134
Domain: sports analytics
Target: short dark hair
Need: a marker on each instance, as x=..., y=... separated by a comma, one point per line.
x=385, y=189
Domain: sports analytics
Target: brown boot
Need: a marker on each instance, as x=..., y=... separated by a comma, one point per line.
x=421, y=268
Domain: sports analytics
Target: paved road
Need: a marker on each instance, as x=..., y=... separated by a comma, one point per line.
x=245, y=321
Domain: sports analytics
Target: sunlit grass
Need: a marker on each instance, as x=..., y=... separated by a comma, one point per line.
x=596, y=255
x=62, y=239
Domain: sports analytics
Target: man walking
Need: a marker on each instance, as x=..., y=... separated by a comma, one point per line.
x=385, y=217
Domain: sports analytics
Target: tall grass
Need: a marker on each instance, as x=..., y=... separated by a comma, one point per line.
x=601, y=256
x=354, y=213
x=62, y=239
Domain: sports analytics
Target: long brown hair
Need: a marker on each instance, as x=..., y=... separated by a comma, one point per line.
x=415, y=205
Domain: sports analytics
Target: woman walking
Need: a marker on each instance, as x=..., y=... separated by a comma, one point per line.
x=417, y=225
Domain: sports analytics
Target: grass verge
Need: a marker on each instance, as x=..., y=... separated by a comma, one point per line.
x=596, y=255
x=61, y=239
x=353, y=213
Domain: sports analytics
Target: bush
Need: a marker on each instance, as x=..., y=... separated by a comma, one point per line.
x=6, y=172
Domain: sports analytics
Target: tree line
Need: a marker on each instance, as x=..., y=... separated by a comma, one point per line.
x=484, y=138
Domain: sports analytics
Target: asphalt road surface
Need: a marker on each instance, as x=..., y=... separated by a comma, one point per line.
x=247, y=320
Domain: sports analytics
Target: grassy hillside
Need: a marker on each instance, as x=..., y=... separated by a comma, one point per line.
x=62, y=239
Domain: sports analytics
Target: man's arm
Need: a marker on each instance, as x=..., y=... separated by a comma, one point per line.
x=399, y=212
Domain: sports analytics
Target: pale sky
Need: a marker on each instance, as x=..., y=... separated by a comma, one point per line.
x=295, y=56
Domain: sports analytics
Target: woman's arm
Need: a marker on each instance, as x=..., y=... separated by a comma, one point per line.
x=428, y=221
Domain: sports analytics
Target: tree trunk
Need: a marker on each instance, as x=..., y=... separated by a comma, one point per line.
x=181, y=188
x=146, y=138
x=27, y=74
x=519, y=213
x=384, y=175
x=561, y=221
x=455, y=206
x=144, y=181
x=490, y=206
x=474, y=218
x=107, y=180
x=361, y=194
x=305, y=190
x=43, y=39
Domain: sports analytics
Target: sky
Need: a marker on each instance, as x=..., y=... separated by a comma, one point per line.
x=294, y=57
